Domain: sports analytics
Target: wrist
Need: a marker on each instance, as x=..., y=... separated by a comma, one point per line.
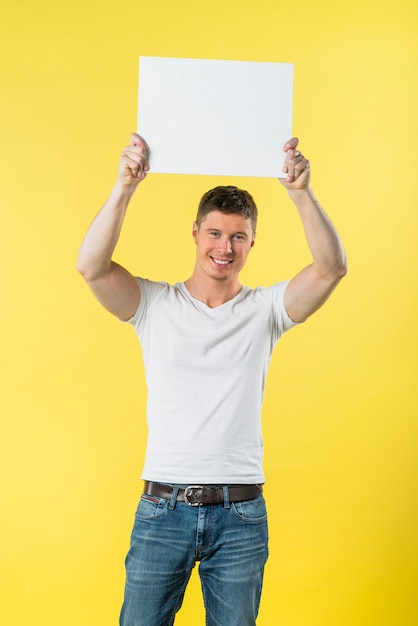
x=123, y=191
x=305, y=193
x=302, y=197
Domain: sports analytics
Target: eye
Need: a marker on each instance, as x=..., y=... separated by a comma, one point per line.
x=239, y=237
x=213, y=233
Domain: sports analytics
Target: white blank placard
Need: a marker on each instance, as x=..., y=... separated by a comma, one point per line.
x=227, y=118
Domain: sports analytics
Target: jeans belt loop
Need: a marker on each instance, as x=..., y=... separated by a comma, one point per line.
x=227, y=504
x=173, y=499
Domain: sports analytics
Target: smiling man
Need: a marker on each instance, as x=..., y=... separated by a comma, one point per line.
x=206, y=344
x=224, y=233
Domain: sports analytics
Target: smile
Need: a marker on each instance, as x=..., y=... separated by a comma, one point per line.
x=220, y=261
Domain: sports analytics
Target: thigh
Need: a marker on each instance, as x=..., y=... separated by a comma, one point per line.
x=158, y=564
x=232, y=570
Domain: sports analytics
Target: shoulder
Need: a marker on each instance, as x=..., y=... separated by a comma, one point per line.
x=273, y=298
x=148, y=286
x=151, y=291
x=272, y=293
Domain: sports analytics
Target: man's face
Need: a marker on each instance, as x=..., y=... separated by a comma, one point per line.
x=223, y=242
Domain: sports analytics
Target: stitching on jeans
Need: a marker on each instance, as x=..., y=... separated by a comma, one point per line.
x=156, y=500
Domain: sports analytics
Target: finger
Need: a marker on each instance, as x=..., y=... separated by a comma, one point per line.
x=135, y=152
x=137, y=140
x=135, y=161
x=291, y=144
x=301, y=166
x=139, y=156
x=289, y=169
x=293, y=158
x=134, y=139
x=130, y=166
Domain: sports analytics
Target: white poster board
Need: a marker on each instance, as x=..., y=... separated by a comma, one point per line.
x=227, y=118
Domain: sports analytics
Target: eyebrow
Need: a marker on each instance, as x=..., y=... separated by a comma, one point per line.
x=238, y=232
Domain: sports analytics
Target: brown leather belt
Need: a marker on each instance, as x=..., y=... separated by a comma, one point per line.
x=196, y=495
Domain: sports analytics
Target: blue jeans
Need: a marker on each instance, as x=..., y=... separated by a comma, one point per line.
x=168, y=537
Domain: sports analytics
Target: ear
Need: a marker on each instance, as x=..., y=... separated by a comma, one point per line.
x=195, y=231
x=253, y=240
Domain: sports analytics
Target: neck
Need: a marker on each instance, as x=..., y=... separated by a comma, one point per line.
x=213, y=293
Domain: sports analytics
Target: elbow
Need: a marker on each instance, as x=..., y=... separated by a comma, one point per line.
x=340, y=270
x=336, y=272
x=344, y=266
x=343, y=270
x=90, y=269
x=85, y=269
x=82, y=267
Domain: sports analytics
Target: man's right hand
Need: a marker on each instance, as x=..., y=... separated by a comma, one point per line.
x=134, y=163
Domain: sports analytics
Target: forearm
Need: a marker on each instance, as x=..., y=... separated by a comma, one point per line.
x=95, y=255
x=328, y=254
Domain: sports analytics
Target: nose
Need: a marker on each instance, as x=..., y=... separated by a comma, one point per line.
x=225, y=245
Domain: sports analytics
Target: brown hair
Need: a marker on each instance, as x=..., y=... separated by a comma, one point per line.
x=228, y=199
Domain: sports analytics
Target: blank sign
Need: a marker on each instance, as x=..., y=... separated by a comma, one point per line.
x=226, y=118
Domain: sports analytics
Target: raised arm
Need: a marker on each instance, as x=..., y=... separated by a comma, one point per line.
x=114, y=287
x=309, y=289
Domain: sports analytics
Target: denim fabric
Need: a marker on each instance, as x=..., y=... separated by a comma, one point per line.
x=168, y=537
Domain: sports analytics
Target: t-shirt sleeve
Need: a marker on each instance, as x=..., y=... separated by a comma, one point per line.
x=280, y=317
x=287, y=322
x=150, y=290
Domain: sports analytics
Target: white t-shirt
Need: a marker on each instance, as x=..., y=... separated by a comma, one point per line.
x=206, y=370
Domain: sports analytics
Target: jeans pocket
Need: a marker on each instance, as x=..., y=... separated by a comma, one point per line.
x=150, y=508
x=251, y=511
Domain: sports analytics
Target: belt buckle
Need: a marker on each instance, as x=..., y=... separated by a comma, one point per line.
x=188, y=492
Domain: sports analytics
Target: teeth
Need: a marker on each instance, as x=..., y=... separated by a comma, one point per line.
x=221, y=262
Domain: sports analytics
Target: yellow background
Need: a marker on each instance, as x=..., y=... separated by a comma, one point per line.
x=341, y=404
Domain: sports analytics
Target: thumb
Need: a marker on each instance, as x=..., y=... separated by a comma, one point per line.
x=135, y=139
x=291, y=144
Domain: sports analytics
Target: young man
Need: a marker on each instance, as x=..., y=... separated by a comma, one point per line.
x=206, y=344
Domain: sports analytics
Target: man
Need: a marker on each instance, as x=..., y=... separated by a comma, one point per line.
x=206, y=344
